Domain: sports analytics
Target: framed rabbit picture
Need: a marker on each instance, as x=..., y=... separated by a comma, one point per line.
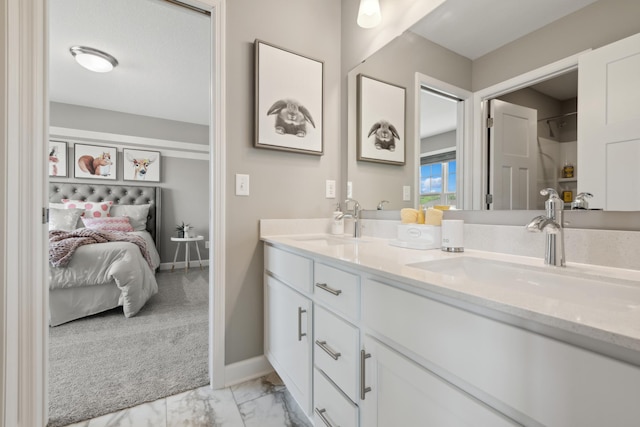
x=289, y=100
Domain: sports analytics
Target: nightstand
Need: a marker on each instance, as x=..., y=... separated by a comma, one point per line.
x=186, y=241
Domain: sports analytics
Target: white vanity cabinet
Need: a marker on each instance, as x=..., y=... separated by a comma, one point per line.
x=399, y=392
x=288, y=323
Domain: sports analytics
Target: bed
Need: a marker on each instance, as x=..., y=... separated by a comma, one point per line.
x=88, y=285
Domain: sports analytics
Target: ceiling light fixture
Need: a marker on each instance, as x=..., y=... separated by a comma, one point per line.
x=369, y=13
x=93, y=59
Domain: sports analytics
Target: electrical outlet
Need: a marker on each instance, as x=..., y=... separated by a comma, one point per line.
x=330, y=189
x=349, y=190
x=206, y=244
x=242, y=184
x=406, y=193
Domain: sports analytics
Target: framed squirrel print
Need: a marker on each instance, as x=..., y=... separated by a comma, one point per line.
x=381, y=121
x=95, y=162
x=288, y=104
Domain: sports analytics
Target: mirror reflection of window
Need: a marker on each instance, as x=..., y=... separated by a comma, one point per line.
x=438, y=180
x=438, y=135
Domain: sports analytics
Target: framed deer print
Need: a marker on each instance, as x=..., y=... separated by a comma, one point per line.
x=58, y=159
x=288, y=104
x=95, y=162
x=141, y=165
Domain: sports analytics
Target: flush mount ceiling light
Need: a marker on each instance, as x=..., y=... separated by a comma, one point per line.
x=93, y=59
x=369, y=13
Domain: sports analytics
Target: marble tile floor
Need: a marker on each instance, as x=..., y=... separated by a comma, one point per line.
x=263, y=402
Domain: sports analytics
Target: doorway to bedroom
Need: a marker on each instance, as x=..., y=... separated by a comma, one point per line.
x=151, y=115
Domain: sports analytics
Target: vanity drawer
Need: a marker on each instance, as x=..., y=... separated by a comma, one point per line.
x=335, y=350
x=292, y=269
x=329, y=403
x=338, y=289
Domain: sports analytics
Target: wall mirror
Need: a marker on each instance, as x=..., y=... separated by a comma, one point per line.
x=453, y=165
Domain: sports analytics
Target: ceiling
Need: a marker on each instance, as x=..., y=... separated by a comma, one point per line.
x=457, y=24
x=163, y=52
x=473, y=28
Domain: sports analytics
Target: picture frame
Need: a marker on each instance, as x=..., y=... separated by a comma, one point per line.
x=58, y=159
x=289, y=114
x=381, y=135
x=95, y=162
x=141, y=165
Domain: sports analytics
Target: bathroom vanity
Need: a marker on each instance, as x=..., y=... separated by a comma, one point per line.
x=367, y=334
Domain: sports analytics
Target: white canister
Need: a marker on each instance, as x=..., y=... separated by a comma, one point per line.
x=453, y=235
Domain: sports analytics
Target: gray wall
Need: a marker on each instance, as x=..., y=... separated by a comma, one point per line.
x=283, y=185
x=184, y=182
x=397, y=63
x=438, y=142
x=594, y=26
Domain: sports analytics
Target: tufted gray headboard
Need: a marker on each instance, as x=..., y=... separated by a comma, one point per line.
x=118, y=193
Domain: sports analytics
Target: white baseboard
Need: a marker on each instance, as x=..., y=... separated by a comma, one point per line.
x=180, y=264
x=246, y=370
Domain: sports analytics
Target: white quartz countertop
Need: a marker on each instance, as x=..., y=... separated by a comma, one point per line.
x=598, y=303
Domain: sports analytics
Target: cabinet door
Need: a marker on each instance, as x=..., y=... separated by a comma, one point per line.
x=403, y=393
x=288, y=338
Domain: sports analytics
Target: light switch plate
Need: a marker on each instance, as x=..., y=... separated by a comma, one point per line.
x=330, y=189
x=242, y=184
x=406, y=193
x=349, y=189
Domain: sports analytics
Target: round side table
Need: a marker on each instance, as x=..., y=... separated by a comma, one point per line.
x=186, y=241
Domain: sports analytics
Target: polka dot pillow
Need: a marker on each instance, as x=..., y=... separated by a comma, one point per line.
x=91, y=209
x=120, y=223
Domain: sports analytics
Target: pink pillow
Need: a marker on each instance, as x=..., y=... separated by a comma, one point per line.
x=92, y=209
x=120, y=223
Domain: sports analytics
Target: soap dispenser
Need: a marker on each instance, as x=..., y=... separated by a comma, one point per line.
x=337, y=226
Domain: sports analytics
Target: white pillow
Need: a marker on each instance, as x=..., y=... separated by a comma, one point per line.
x=64, y=219
x=137, y=214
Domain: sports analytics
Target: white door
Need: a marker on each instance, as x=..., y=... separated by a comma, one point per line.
x=609, y=125
x=288, y=338
x=406, y=394
x=513, y=156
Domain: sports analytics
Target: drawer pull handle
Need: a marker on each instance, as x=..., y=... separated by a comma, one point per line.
x=363, y=389
x=324, y=419
x=300, y=333
x=323, y=345
x=326, y=287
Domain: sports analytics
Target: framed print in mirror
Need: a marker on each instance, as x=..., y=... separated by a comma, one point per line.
x=381, y=121
x=141, y=165
x=288, y=103
x=95, y=162
x=58, y=159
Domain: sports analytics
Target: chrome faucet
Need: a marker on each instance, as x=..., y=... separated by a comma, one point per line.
x=381, y=204
x=355, y=215
x=552, y=225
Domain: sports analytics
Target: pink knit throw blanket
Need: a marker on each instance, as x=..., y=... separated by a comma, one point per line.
x=63, y=244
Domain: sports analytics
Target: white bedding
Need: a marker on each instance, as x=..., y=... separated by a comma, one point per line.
x=118, y=264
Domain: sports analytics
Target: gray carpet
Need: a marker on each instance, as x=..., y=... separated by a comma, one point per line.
x=104, y=363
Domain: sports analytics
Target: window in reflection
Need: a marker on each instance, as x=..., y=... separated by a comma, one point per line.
x=438, y=180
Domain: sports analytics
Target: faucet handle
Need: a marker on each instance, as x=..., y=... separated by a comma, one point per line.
x=580, y=201
x=552, y=193
x=583, y=195
x=380, y=205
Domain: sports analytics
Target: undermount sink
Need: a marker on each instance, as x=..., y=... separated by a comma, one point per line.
x=568, y=284
x=329, y=240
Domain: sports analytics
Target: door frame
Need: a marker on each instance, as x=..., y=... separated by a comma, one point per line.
x=479, y=163
x=463, y=135
x=24, y=125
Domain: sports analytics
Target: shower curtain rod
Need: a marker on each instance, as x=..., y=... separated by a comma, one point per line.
x=560, y=116
x=188, y=6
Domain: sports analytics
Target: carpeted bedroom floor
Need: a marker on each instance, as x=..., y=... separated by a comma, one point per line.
x=106, y=362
